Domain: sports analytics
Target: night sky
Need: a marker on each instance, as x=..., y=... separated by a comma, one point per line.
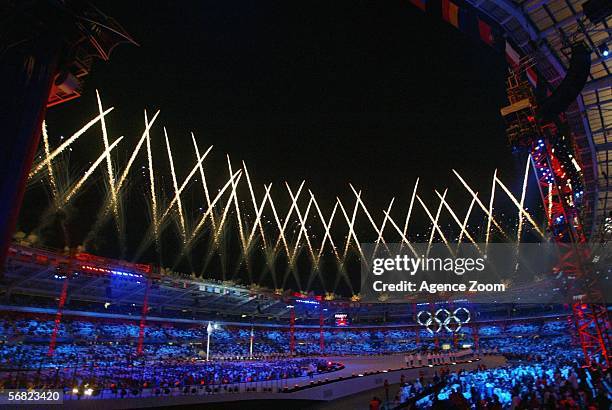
x=372, y=93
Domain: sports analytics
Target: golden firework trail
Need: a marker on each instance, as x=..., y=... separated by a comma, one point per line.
x=258, y=213
x=521, y=209
x=303, y=231
x=152, y=181
x=210, y=208
x=228, y=204
x=434, y=221
x=122, y=179
x=88, y=173
x=522, y=203
x=480, y=204
x=282, y=229
x=109, y=167
x=237, y=207
x=204, y=184
x=281, y=235
x=465, y=221
x=369, y=216
x=409, y=214
x=54, y=189
x=351, y=232
x=456, y=219
x=177, y=194
x=42, y=164
x=326, y=226
x=490, y=213
x=382, y=228
x=258, y=210
x=401, y=234
x=130, y=162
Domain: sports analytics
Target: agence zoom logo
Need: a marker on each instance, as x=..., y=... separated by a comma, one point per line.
x=443, y=319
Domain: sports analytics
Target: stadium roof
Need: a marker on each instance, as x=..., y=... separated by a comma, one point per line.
x=544, y=29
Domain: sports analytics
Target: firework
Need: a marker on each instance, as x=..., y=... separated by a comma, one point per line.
x=38, y=167
x=490, y=213
x=88, y=173
x=49, y=165
x=177, y=194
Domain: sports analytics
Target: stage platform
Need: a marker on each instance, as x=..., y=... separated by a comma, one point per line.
x=360, y=374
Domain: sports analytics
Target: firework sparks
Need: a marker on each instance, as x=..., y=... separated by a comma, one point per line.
x=258, y=210
x=237, y=207
x=202, y=220
x=203, y=177
x=456, y=219
x=521, y=209
x=434, y=221
x=177, y=194
x=409, y=214
x=465, y=221
x=523, y=193
x=54, y=189
x=303, y=231
x=152, y=181
x=480, y=204
x=369, y=216
x=88, y=173
x=490, y=213
x=326, y=227
x=351, y=230
x=38, y=167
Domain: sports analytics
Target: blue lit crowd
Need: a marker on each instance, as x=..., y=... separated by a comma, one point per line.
x=542, y=372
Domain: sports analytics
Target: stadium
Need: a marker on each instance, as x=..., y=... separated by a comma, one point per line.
x=141, y=268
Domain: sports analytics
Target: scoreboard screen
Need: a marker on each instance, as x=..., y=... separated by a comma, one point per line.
x=341, y=319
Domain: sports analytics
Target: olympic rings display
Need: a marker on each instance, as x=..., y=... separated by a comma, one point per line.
x=443, y=319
